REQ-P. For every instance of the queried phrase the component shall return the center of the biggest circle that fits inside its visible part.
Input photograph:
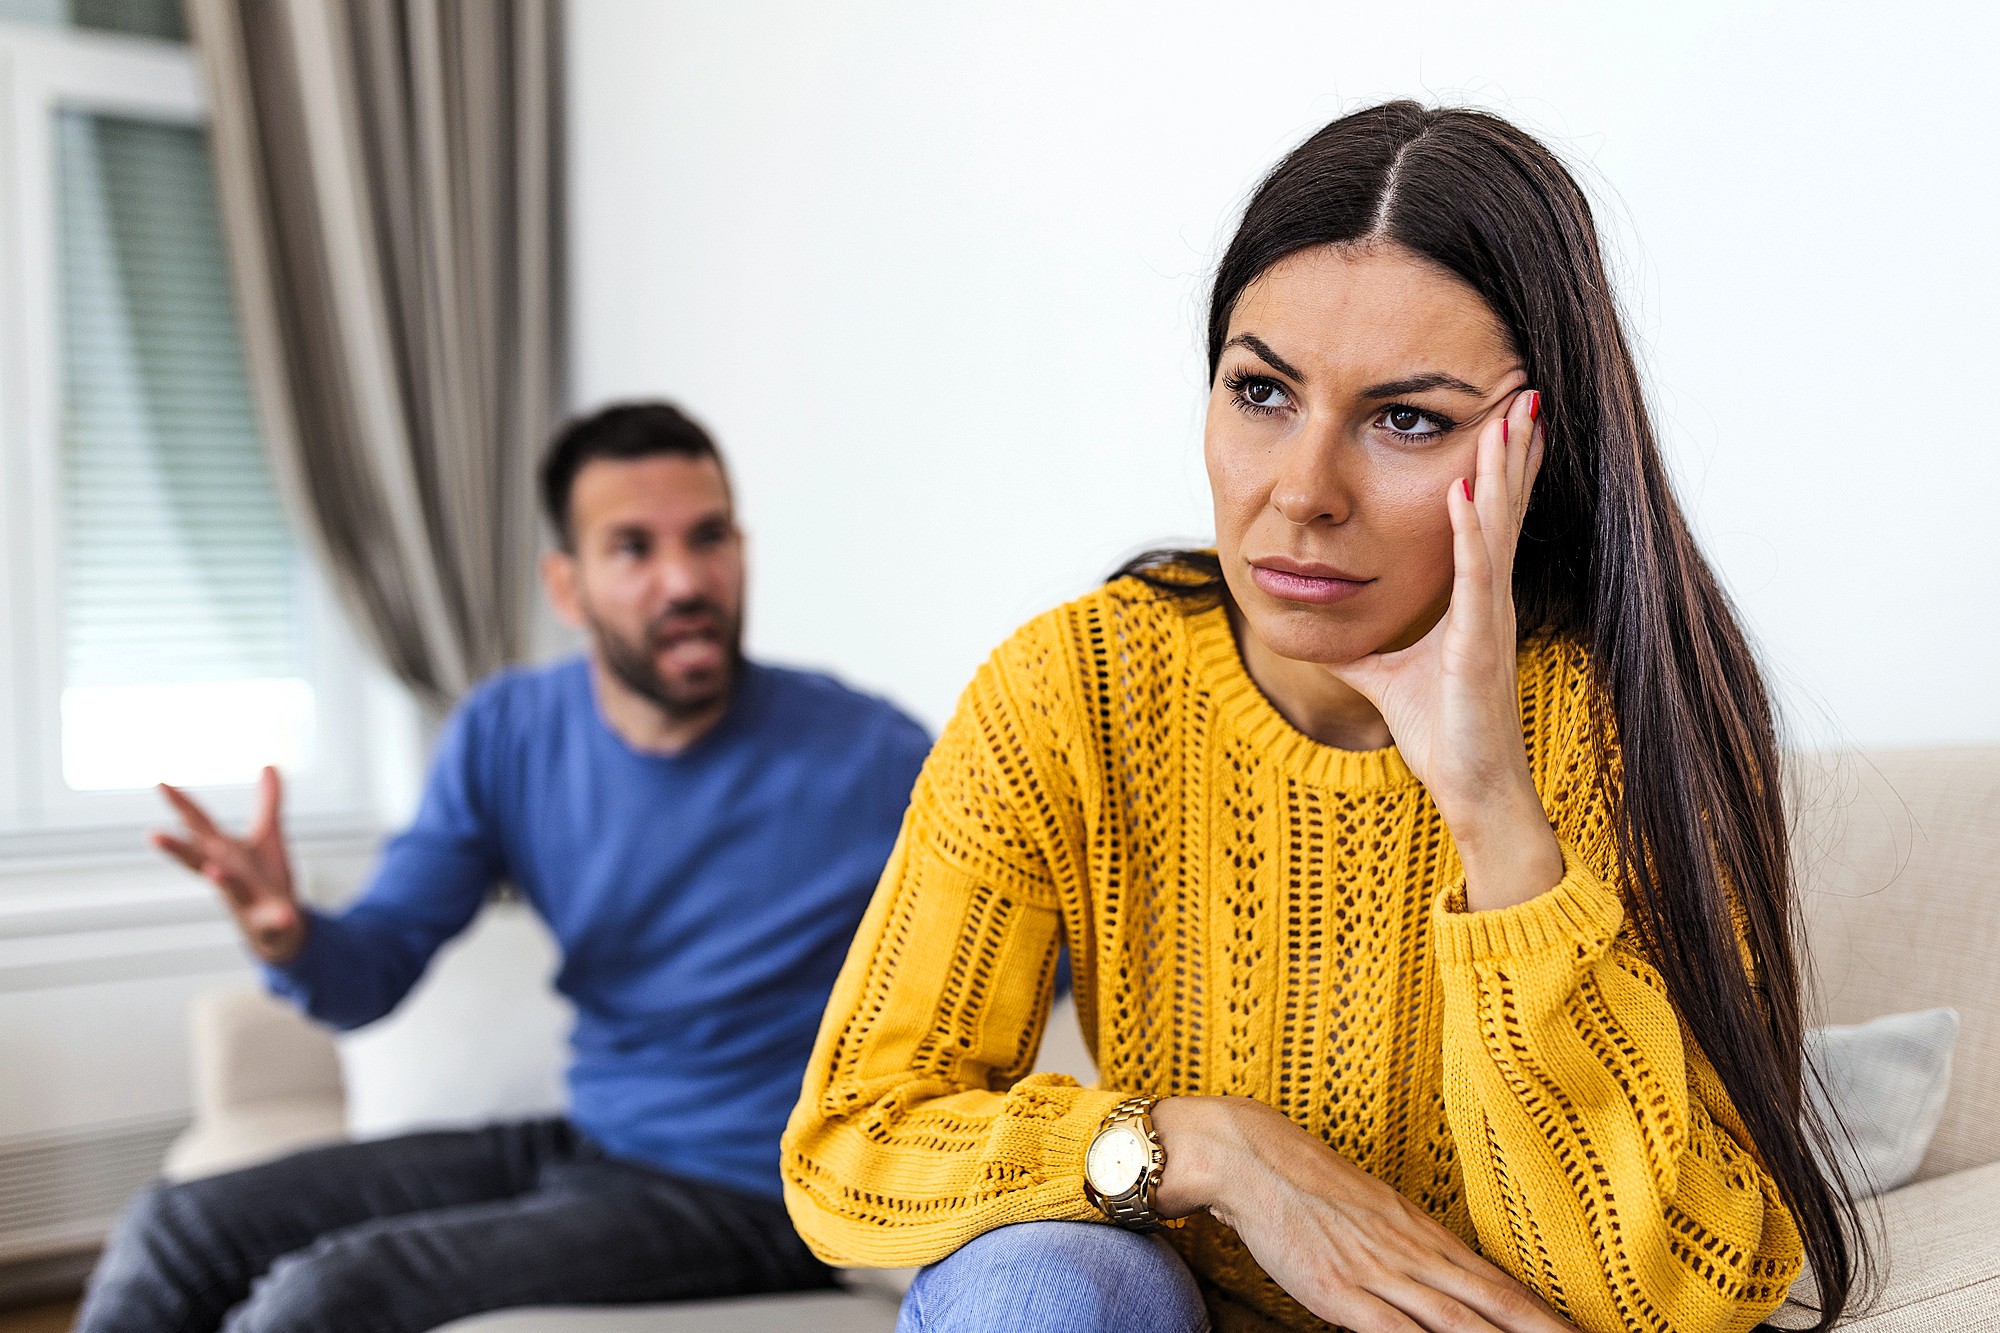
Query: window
(162, 624)
(139, 18)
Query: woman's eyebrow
(1263, 349)
(1424, 383)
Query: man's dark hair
(622, 431)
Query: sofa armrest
(1937, 1247)
(266, 1081)
(248, 1048)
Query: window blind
(177, 572)
(177, 564)
(139, 18)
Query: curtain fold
(389, 182)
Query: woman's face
(1350, 395)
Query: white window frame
(42, 71)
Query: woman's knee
(1056, 1277)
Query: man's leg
(1056, 1277)
(593, 1233)
(184, 1255)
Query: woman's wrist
(1509, 852)
(1204, 1141)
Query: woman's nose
(1311, 485)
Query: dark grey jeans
(402, 1235)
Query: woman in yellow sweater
(1419, 851)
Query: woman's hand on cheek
(1452, 699)
(1343, 1244)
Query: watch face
(1116, 1161)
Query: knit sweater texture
(1250, 912)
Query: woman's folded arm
(919, 1126)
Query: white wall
(934, 275)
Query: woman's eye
(1410, 421)
(1258, 394)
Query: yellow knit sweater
(1251, 912)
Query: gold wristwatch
(1121, 1168)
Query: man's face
(656, 577)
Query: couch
(1899, 853)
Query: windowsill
(34, 852)
(104, 890)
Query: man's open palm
(253, 872)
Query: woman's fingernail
(1534, 404)
(1503, 430)
(1465, 484)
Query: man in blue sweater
(700, 832)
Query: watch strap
(1135, 1209)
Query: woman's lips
(1296, 587)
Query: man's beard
(633, 663)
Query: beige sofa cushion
(1899, 856)
(1942, 1252)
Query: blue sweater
(703, 902)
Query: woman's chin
(1319, 635)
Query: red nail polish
(1465, 484)
(1535, 405)
(1503, 430)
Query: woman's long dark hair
(1605, 556)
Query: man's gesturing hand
(253, 872)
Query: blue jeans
(1056, 1277)
(405, 1234)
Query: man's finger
(270, 793)
(191, 813)
(237, 861)
(270, 918)
(238, 890)
(184, 852)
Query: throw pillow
(1886, 1081)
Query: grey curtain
(388, 176)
